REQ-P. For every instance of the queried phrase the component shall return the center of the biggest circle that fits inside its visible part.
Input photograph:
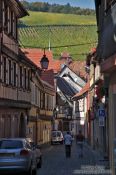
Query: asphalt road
(55, 162)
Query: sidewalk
(99, 163)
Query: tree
(55, 8)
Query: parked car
(37, 150)
(57, 137)
(16, 155)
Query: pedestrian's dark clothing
(79, 139)
(68, 150)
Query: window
(14, 26)
(14, 74)
(81, 105)
(42, 100)
(10, 144)
(5, 18)
(4, 69)
(36, 95)
(39, 97)
(46, 101)
(10, 72)
(11, 24)
(25, 78)
(9, 21)
(21, 77)
(28, 80)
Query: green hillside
(72, 33)
(37, 18)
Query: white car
(57, 137)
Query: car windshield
(54, 134)
(59, 134)
(11, 144)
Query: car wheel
(39, 165)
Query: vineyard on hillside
(77, 40)
(43, 18)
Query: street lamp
(44, 62)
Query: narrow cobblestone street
(55, 162)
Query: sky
(79, 3)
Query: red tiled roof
(83, 90)
(79, 68)
(35, 55)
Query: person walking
(68, 143)
(79, 140)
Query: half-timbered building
(106, 55)
(14, 73)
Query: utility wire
(72, 45)
(53, 47)
(60, 46)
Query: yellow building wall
(44, 132)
